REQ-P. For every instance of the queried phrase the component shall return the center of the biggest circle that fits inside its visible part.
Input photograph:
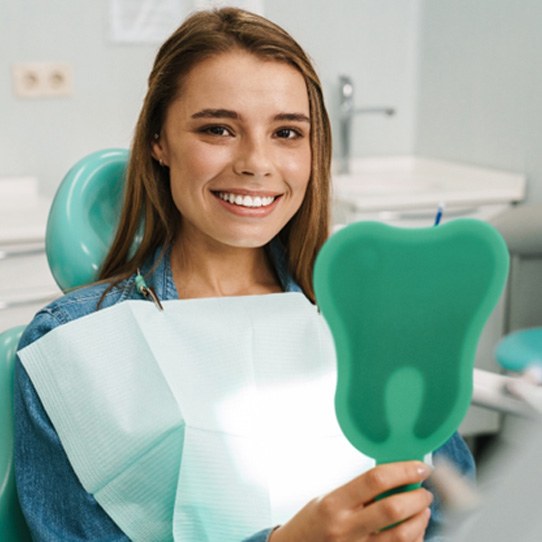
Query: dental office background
(463, 76)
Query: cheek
(298, 170)
(195, 165)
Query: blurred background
(462, 76)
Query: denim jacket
(55, 505)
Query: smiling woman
(229, 88)
(237, 145)
(212, 419)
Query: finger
(393, 510)
(366, 487)
(411, 529)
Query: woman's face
(237, 144)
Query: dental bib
(208, 421)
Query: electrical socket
(42, 79)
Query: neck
(217, 271)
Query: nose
(253, 158)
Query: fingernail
(424, 470)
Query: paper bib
(208, 421)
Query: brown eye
(288, 133)
(216, 130)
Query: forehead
(240, 79)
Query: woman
(229, 174)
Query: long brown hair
(148, 210)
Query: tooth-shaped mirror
(406, 308)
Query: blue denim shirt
(55, 505)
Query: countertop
(23, 212)
(406, 182)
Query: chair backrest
(83, 217)
(12, 525)
(80, 228)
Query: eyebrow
(228, 114)
(293, 117)
(215, 114)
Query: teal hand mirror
(406, 308)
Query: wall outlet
(42, 79)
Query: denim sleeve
(457, 453)
(54, 503)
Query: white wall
(43, 137)
(374, 41)
(480, 85)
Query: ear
(159, 150)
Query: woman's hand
(351, 513)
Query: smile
(245, 200)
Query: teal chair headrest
(84, 216)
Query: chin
(249, 242)
(246, 239)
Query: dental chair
(12, 525)
(80, 228)
(83, 217)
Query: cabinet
(26, 284)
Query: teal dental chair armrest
(12, 524)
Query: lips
(246, 200)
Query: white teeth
(246, 201)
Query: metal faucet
(346, 115)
